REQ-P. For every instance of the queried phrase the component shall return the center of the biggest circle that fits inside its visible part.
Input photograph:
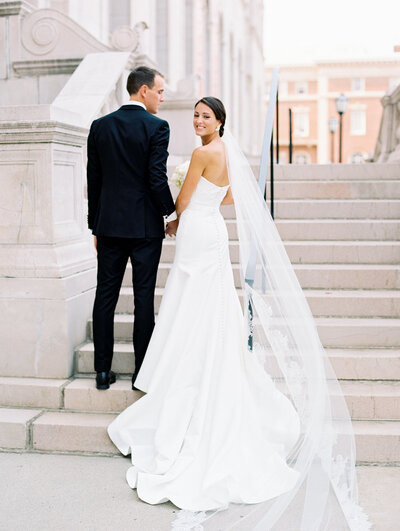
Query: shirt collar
(132, 102)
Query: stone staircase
(341, 228)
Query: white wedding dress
(212, 428)
(213, 431)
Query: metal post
(340, 136)
(271, 175)
(332, 147)
(290, 138)
(277, 127)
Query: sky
(301, 31)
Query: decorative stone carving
(388, 143)
(127, 39)
(124, 39)
(47, 32)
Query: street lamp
(341, 106)
(333, 125)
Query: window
(301, 158)
(358, 122)
(301, 123)
(301, 87)
(357, 158)
(358, 84)
(283, 88)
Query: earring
(217, 129)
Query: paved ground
(42, 492)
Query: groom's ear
(142, 90)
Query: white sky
(297, 31)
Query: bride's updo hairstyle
(218, 109)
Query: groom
(128, 195)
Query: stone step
(333, 209)
(365, 400)
(334, 332)
(73, 432)
(349, 364)
(323, 172)
(329, 209)
(86, 433)
(372, 400)
(336, 303)
(320, 252)
(377, 441)
(313, 189)
(312, 276)
(15, 427)
(330, 229)
(32, 392)
(337, 172)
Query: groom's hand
(171, 228)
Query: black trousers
(112, 257)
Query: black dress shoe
(104, 379)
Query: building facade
(310, 92)
(214, 46)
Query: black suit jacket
(128, 191)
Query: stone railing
(388, 144)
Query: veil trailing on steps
(284, 339)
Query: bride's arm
(228, 199)
(195, 171)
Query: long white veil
(283, 336)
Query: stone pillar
(47, 260)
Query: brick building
(311, 90)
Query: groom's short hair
(142, 75)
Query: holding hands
(171, 228)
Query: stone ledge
(46, 67)
(14, 8)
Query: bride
(243, 424)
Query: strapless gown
(212, 427)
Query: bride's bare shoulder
(210, 152)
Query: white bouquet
(180, 173)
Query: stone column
(47, 260)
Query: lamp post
(341, 106)
(333, 125)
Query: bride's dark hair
(218, 109)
